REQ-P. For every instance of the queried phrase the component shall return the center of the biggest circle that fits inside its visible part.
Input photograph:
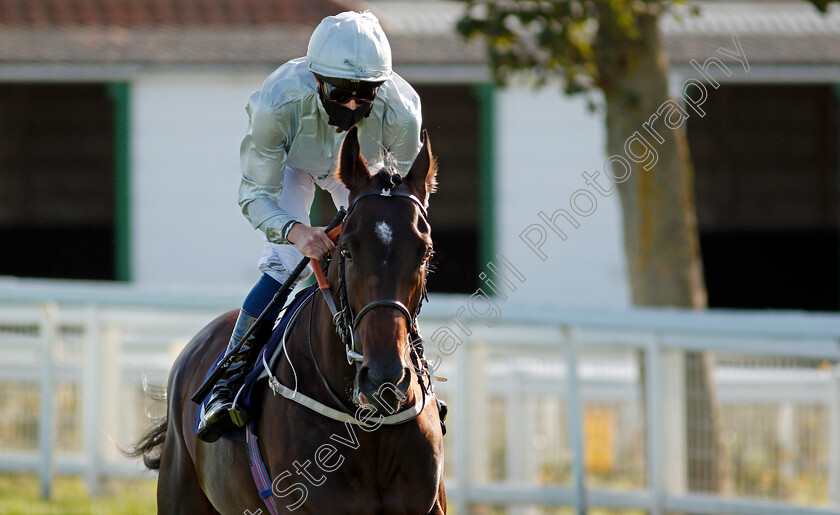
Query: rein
(346, 324)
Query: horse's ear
(352, 169)
(422, 177)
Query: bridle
(346, 323)
(344, 320)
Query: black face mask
(341, 116)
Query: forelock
(382, 178)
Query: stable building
(120, 125)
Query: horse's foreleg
(440, 505)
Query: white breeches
(278, 260)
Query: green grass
(19, 495)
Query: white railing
(523, 432)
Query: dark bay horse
(319, 465)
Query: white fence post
(834, 438)
(110, 391)
(49, 332)
(462, 439)
(575, 420)
(673, 420)
(514, 442)
(653, 401)
(91, 421)
(476, 411)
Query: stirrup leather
(221, 401)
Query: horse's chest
(349, 471)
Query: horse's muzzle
(386, 393)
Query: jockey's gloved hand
(312, 242)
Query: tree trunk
(660, 227)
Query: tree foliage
(586, 42)
(578, 40)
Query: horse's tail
(149, 445)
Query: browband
(389, 193)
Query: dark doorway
(766, 160)
(451, 115)
(57, 176)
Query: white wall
(544, 142)
(186, 226)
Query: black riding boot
(217, 417)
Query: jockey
(297, 124)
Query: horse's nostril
(374, 378)
(371, 375)
(384, 389)
(368, 379)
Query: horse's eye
(345, 253)
(429, 253)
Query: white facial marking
(383, 230)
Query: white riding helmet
(352, 46)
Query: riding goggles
(342, 95)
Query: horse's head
(384, 252)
